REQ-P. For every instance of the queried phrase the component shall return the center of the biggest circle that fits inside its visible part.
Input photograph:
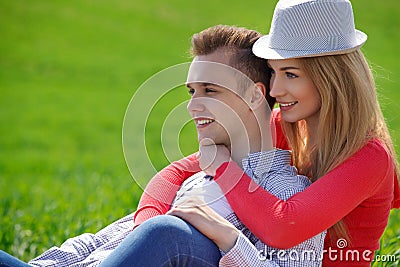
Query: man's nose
(195, 105)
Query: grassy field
(68, 70)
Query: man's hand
(207, 221)
(211, 156)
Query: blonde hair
(350, 116)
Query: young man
(231, 114)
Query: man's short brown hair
(238, 42)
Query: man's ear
(261, 86)
(258, 95)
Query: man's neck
(258, 139)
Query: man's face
(217, 106)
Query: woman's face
(294, 91)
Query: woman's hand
(207, 221)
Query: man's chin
(204, 140)
(207, 141)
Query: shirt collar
(258, 163)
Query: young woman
(335, 128)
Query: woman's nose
(276, 88)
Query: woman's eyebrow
(288, 68)
(285, 68)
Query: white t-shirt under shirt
(202, 186)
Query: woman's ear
(258, 95)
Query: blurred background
(68, 70)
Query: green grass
(68, 70)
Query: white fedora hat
(305, 28)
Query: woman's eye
(291, 75)
(191, 91)
(209, 90)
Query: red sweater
(362, 190)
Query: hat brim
(261, 49)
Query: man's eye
(271, 71)
(209, 90)
(191, 91)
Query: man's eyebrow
(208, 84)
(201, 84)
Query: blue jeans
(164, 241)
(6, 260)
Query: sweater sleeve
(283, 224)
(162, 188)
